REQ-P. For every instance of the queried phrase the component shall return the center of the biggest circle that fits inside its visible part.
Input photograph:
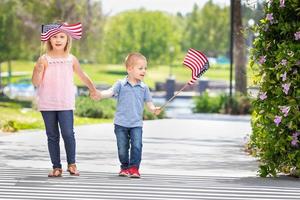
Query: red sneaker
(134, 172)
(124, 172)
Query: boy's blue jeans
(129, 140)
(63, 119)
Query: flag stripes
(74, 30)
(197, 62)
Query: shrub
(276, 115)
(85, 107)
(9, 126)
(240, 104)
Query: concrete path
(182, 159)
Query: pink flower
(270, 17)
(281, 4)
(283, 76)
(262, 59)
(277, 120)
(284, 62)
(285, 110)
(294, 143)
(263, 96)
(297, 35)
(295, 140)
(286, 87)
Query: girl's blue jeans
(129, 140)
(63, 120)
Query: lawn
(25, 117)
(108, 74)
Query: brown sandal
(72, 169)
(56, 172)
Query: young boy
(131, 94)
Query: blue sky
(112, 7)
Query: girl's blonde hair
(48, 47)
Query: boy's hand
(157, 110)
(95, 95)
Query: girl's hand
(95, 95)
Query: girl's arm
(38, 71)
(152, 108)
(85, 79)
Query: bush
(150, 116)
(85, 107)
(10, 126)
(240, 104)
(276, 114)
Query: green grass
(100, 74)
(27, 118)
(108, 74)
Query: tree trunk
(239, 50)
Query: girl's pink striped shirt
(57, 90)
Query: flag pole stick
(162, 107)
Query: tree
(34, 13)
(9, 34)
(276, 115)
(148, 32)
(207, 29)
(239, 49)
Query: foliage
(240, 104)
(23, 117)
(205, 31)
(9, 31)
(9, 126)
(206, 104)
(150, 116)
(85, 107)
(153, 34)
(276, 114)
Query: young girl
(53, 77)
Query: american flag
(48, 30)
(197, 62)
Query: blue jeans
(53, 121)
(129, 140)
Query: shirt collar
(125, 81)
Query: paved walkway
(182, 159)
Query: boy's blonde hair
(48, 47)
(132, 57)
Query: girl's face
(59, 41)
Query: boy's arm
(85, 79)
(38, 72)
(152, 108)
(105, 93)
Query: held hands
(95, 95)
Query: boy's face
(138, 69)
(59, 41)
